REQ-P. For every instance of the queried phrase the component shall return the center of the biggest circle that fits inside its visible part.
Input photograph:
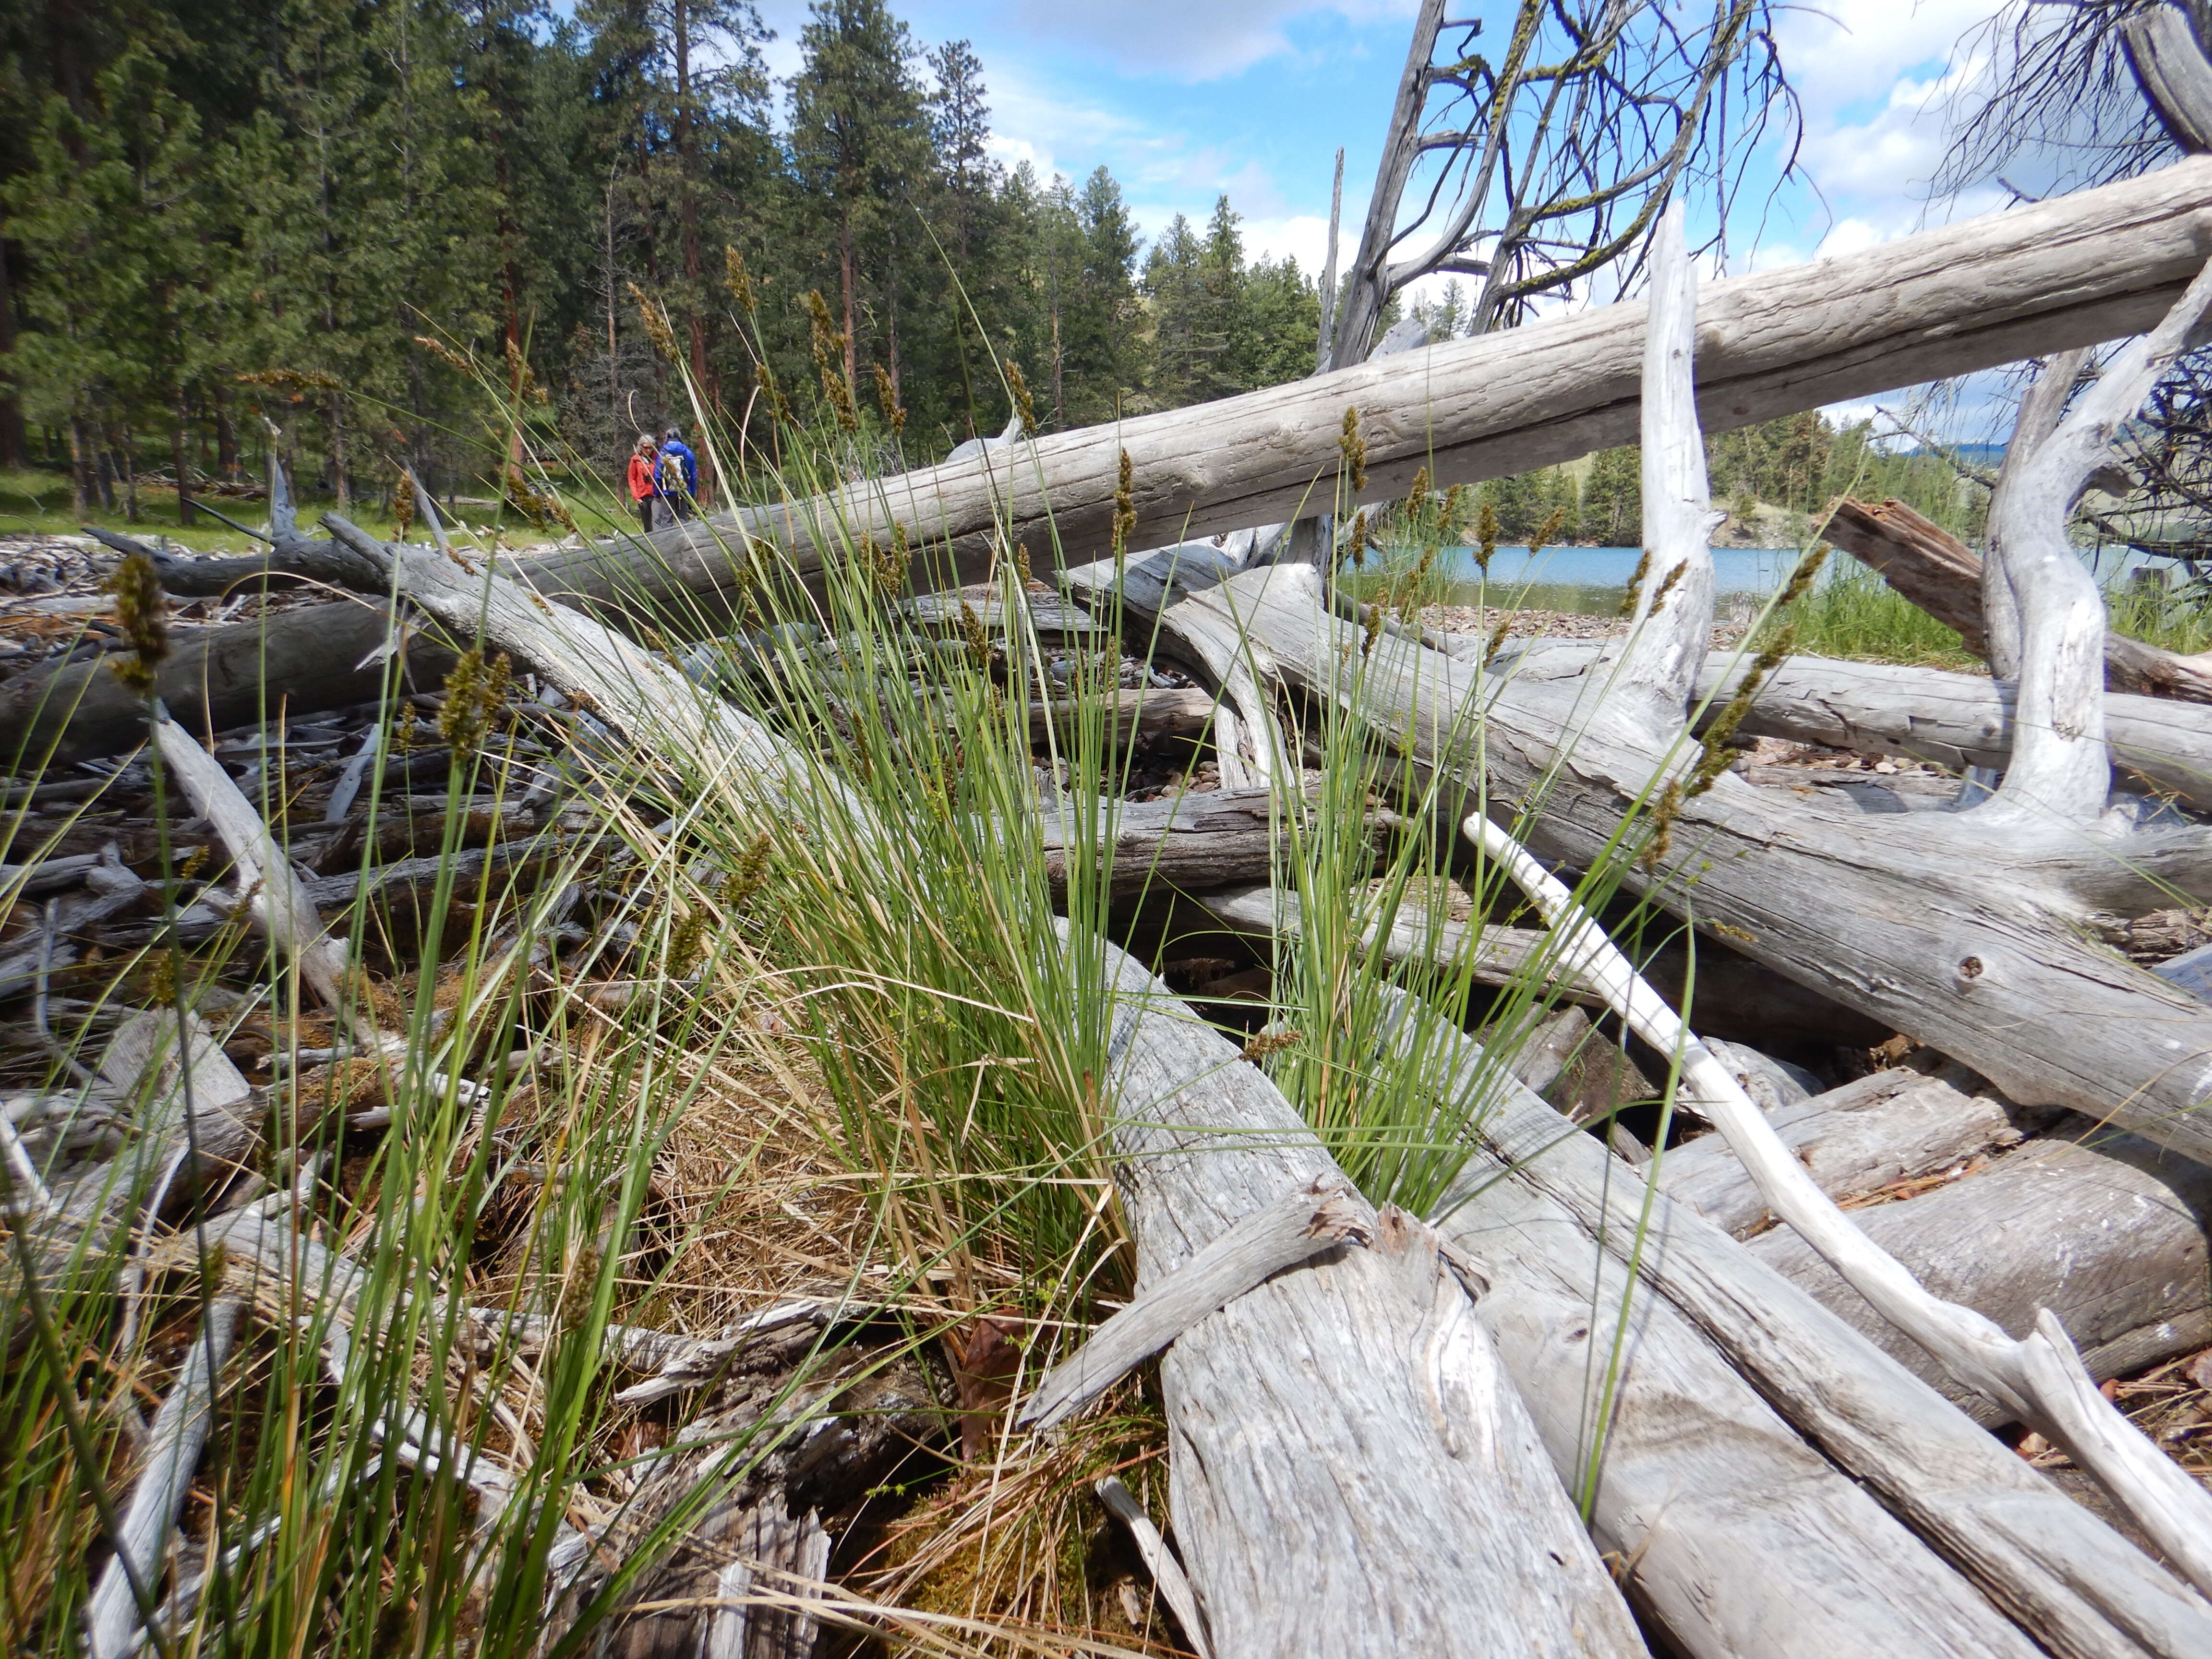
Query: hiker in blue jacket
(684, 501)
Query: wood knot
(1972, 967)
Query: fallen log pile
(1711, 1359)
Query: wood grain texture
(1738, 1537)
(2109, 1234)
(2061, 1573)
(1344, 1419)
(1956, 721)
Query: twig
(1167, 1571)
(180, 1430)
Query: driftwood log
(1734, 1534)
(1272, 1399)
(1733, 996)
(1948, 720)
(1366, 1359)
(2072, 271)
(1889, 1127)
(2063, 1576)
(1943, 576)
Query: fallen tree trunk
(1946, 719)
(2107, 1232)
(319, 657)
(1366, 1359)
(1889, 1127)
(1132, 717)
(1190, 842)
(1943, 576)
(2072, 271)
(1734, 997)
(2063, 1576)
(1955, 721)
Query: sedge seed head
(475, 691)
(887, 399)
(143, 612)
(1636, 584)
(1023, 404)
(1354, 449)
(739, 281)
(1548, 531)
(1487, 529)
(656, 325)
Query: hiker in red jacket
(645, 481)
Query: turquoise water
(1592, 580)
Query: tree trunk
(1943, 576)
(186, 517)
(14, 445)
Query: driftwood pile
(1731, 1393)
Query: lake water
(1591, 580)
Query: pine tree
(860, 140)
(1183, 350)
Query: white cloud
(1188, 39)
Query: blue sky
(1186, 99)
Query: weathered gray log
(1948, 720)
(1347, 1415)
(316, 657)
(2170, 68)
(2108, 1233)
(1956, 721)
(1963, 941)
(1891, 1126)
(1738, 1537)
(1943, 576)
(2071, 271)
(1731, 995)
(1132, 717)
(302, 557)
(2067, 1579)
(1191, 841)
